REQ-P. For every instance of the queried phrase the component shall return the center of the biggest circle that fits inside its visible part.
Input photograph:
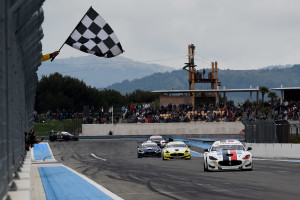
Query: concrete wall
(274, 150)
(163, 128)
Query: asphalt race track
(114, 165)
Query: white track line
(98, 157)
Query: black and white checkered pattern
(93, 35)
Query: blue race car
(148, 149)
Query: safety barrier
(20, 53)
(163, 128)
(275, 150)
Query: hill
(231, 79)
(100, 72)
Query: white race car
(159, 140)
(227, 154)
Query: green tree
(272, 96)
(64, 92)
(263, 90)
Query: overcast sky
(238, 34)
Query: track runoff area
(110, 169)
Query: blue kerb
(200, 144)
(181, 140)
(60, 183)
(197, 144)
(41, 151)
(204, 139)
(289, 160)
(196, 154)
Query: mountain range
(100, 72)
(230, 79)
(126, 75)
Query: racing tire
(204, 168)
(250, 169)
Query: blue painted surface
(276, 159)
(204, 139)
(200, 144)
(60, 183)
(197, 144)
(288, 160)
(181, 140)
(196, 154)
(41, 151)
(139, 139)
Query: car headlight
(141, 151)
(187, 151)
(212, 158)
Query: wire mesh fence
(20, 52)
(267, 131)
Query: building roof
(207, 91)
(286, 88)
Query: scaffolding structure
(198, 77)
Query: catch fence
(20, 53)
(267, 131)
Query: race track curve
(114, 165)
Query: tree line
(64, 92)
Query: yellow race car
(176, 149)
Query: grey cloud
(238, 34)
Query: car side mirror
(189, 146)
(249, 148)
(205, 150)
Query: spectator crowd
(151, 113)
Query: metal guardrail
(20, 53)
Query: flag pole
(71, 33)
(112, 119)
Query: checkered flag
(93, 35)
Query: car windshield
(156, 138)
(149, 145)
(176, 145)
(227, 147)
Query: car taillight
(246, 157)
